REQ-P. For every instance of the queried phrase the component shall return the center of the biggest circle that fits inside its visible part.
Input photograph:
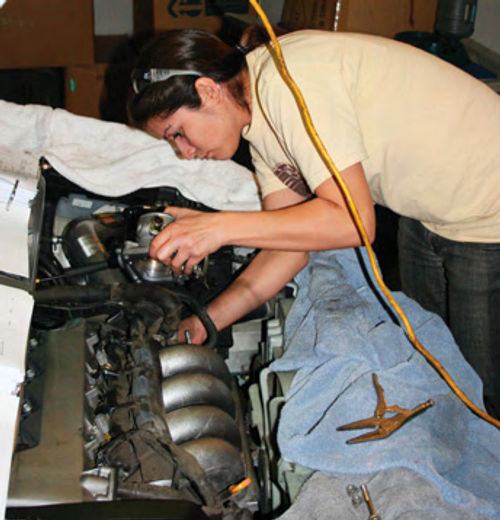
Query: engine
(158, 420)
(161, 421)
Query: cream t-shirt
(427, 133)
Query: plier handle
(385, 425)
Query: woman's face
(209, 132)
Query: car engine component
(157, 421)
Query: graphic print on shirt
(290, 176)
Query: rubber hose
(73, 294)
(117, 293)
(132, 293)
(201, 312)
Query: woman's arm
(322, 223)
(268, 272)
(318, 224)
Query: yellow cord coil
(279, 60)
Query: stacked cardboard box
(100, 89)
(48, 33)
(38, 34)
(382, 17)
(84, 89)
(155, 16)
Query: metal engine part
(138, 418)
(86, 244)
(146, 403)
(136, 260)
(150, 224)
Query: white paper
(19, 174)
(9, 405)
(14, 256)
(16, 307)
(15, 318)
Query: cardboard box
(48, 33)
(385, 18)
(84, 88)
(98, 91)
(115, 48)
(312, 14)
(154, 16)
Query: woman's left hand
(194, 327)
(188, 240)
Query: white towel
(113, 159)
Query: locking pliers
(385, 425)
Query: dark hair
(187, 49)
(255, 35)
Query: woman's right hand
(195, 328)
(185, 242)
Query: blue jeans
(460, 281)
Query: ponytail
(255, 35)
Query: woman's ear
(209, 91)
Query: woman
(406, 130)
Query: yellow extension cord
(278, 57)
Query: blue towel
(339, 331)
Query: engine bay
(114, 409)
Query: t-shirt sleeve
(332, 113)
(268, 182)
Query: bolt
(156, 225)
(357, 500)
(352, 489)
